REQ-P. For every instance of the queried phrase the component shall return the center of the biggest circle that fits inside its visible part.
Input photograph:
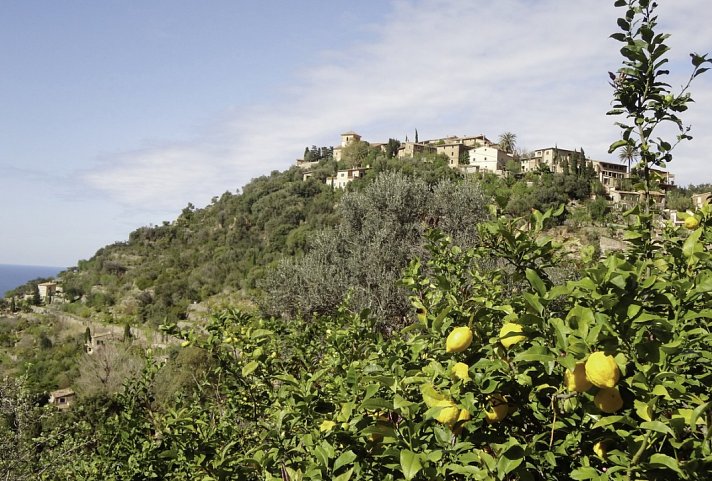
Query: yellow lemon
(602, 370)
(600, 449)
(499, 410)
(448, 415)
(185, 344)
(459, 339)
(461, 420)
(326, 426)
(691, 222)
(506, 337)
(461, 371)
(576, 380)
(608, 400)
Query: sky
(115, 115)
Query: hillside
(218, 253)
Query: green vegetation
(39, 349)
(414, 332)
(332, 397)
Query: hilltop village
(478, 155)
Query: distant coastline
(13, 275)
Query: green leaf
(344, 476)
(457, 469)
(562, 332)
(376, 403)
(660, 390)
(536, 353)
(401, 402)
(249, 368)
(606, 421)
(257, 333)
(665, 460)
(533, 302)
(410, 463)
(692, 244)
(703, 282)
(633, 310)
(696, 413)
(505, 465)
(617, 144)
(536, 282)
(585, 472)
(347, 457)
(321, 456)
(643, 410)
(510, 459)
(438, 322)
(657, 426)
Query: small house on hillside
(343, 177)
(98, 341)
(47, 291)
(62, 398)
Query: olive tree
(381, 228)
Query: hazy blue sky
(116, 114)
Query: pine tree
(36, 299)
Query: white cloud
(444, 66)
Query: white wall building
(343, 177)
(488, 159)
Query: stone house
(628, 199)
(552, 157)
(62, 398)
(347, 138)
(301, 163)
(412, 149)
(100, 340)
(453, 151)
(610, 174)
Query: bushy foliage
(381, 227)
(20, 419)
(331, 398)
(228, 246)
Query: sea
(12, 276)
